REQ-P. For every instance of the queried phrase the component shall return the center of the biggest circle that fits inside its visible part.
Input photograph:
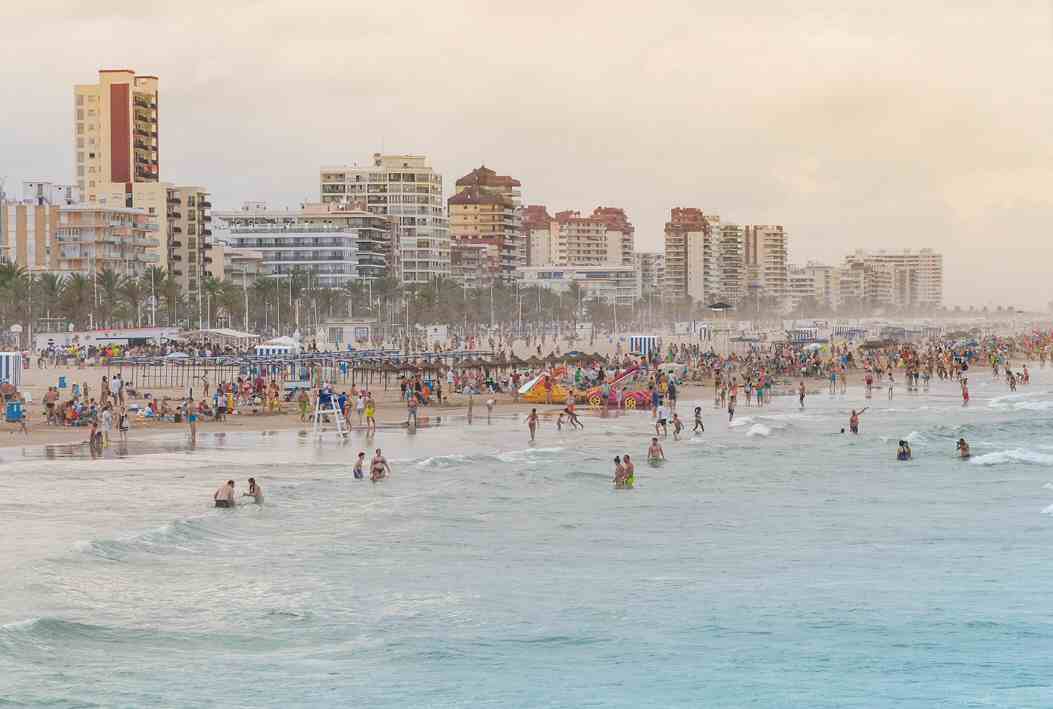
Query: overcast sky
(887, 125)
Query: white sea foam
(744, 421)
(758, 429)
(1048, 510)
(1016, 455)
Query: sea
(770, 562)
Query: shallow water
(770, 563)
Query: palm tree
(133, 295)
(77, 302)
(107, 290)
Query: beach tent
(643, 344)
(11, 368)
(279, 346)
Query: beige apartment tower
(115, 136)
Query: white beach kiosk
(278, 347)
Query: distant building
(537, 227)
(240, 266)
(685, 236)
(612, 283)
(334, 244)
(486, 240)
(652, 271)
(94, 237)
(813, 283)
(902, 279)
(115, 132)
(766, 262)
(189, 235)
(407, 189)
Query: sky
(899, 124)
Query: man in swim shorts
(630, 472)
(655, 452)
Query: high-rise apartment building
(115, 132)
(766, 262)
(685, 234)
(903, 279)
(27, 231)
(730, 263)
(486, 240)
(189, 224)
(620, 236)
(814, 285)
(117, 148)
(407, 189)
(333, 243)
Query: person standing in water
(379, 468)
(853, 420)
(359, 471)
(532, 424)
(698, 421)
(630, 472)
(963, 448)
(224, 496)
(800, 394)
(655, 452)
(891, 384)
(965, 391)
(619, 473)
(255, 492)
(371, 414)
(678, 426)
(661, 424)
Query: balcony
(206, 232)
(175, 215)
(206, 217)
(176, 244)
(177, 257)
(177, 230)
(206, 205)
(173, 199)
(207, 259)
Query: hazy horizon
(873, 127)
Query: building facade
(537, 225)
(189, 235)
(94, 237)
(765, 255)
(610, 284)
(115, 132)
(652, 271)
(905, 279)
(406, 189)
(814, 285)
(686, 230)
(485, 228)
(337, 245)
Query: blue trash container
(14, 411)
(61, 382)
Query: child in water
(698, 421)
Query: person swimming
(963, 448)
(360, 464)
(904, 451)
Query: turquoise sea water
(773, 563)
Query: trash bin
(61, 382)
(13, 411)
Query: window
(80, 129)
(80, 171)
(80, 144)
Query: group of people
(226, 497)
